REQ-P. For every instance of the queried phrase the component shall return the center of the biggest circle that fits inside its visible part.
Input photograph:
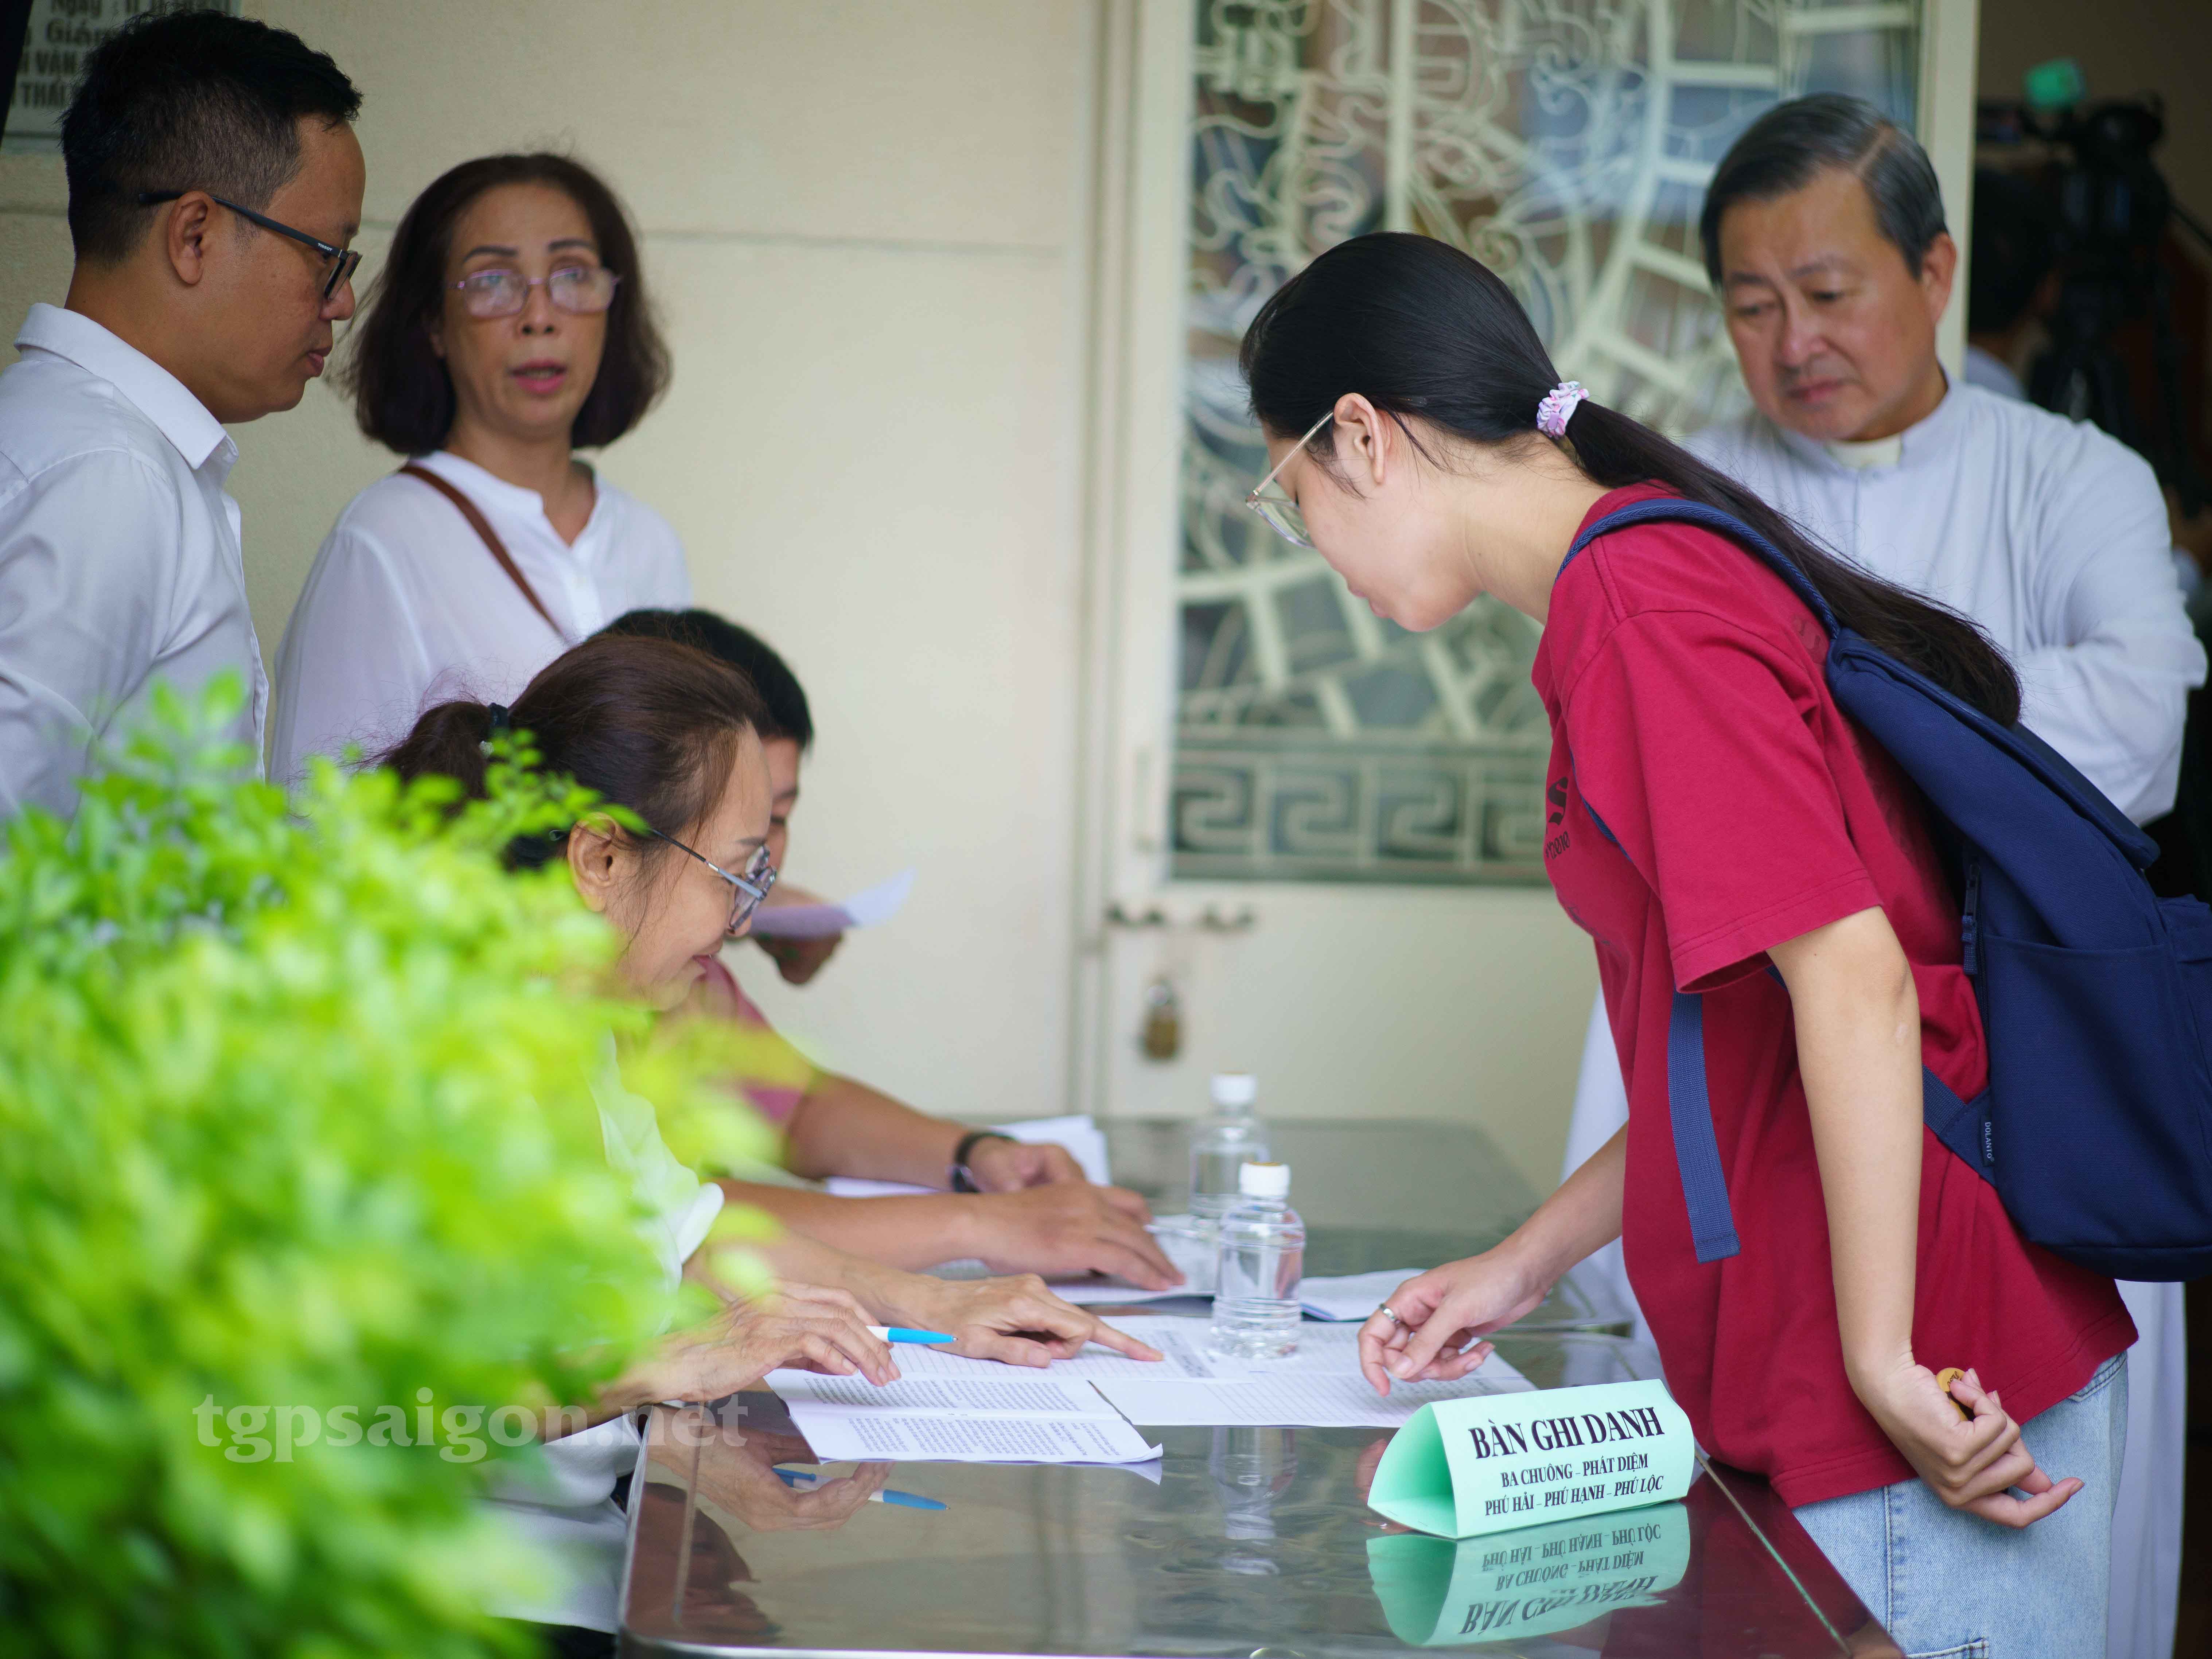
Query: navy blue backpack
(2096, 994)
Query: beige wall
(858, 218)
(869, 228)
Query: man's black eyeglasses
(342, 261)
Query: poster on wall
(62, 34)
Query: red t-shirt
(1689, 707)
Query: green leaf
(296, 1119)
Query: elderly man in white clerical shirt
(1824, 235)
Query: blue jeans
(1950, 1585)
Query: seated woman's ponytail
(648, 724)
(1421, 328)
(453, 739)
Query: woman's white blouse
(678, 1212)
(406, 607)
(564, 1513)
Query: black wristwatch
(962, 1180)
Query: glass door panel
(1566, 143)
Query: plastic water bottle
(1263, 1256)
(1227, 1140)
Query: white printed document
(1182, 1341)
(987, 1386)
(1001, 1415)
(864, 909)
(931, 1438)
(1319, 1386)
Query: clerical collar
(1927, 442)
(1875, 451)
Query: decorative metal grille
(1566, 143)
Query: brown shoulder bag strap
(476, 522)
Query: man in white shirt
(1823, 231)
(214, 181)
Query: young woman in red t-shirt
(1711, 813)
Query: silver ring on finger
(1390, 1313)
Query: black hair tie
(493, 726)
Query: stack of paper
(1182, 1341)
(1003, 1415)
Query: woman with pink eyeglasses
(510, 326)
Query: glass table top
(1246, 1541)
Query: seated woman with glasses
(674, 735)
(1014, 1206)
(509, 327)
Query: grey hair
(1784, 149)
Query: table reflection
(1240, 1538)
(705, 1462)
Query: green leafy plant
(297, 1115)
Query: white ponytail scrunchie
(1558, 407)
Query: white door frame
(1132, 435)
(1949, 35)
(1132, 506)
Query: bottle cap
(1264, 1180)
(1235, 1087)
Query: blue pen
(905, 1500)
(900, 1333)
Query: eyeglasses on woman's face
(581, 291)
(1279, 512)
(746, 891)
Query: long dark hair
(403, 395)
(1421, 328)
(648, 724)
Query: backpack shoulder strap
(1674, 509)
(478, 523)
(1689, 1103)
